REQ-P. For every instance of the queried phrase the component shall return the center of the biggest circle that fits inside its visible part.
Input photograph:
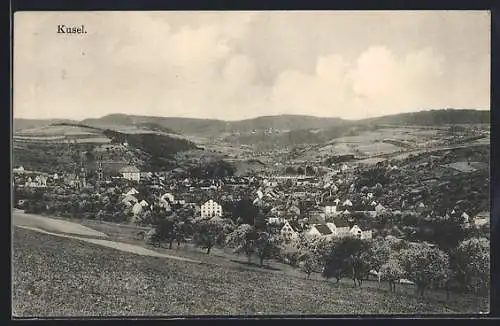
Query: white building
(319, 231)
(331, 210)
(18, 170)
(137, 209)
(131, 173)
(132, 192)
(211, 209)
(339, 226)
(289, 232)
(356, 231)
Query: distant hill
(211, 127)
(46, 148)
(285, 122)
(20, 124)
(187, 126)
(434, 117)
(299, 123)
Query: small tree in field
(307, 263)
(473, 262)
(392, 272)
(348, 255)
(241, 240)
(266, 246)
(207, 233)
(246, 239)
(378, 253)
(423, 264)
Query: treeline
(212, 170)
(84, 205)
(50, 157)
(435, 117)
(463, 268)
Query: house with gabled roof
(137, 209)
(319, 230)
(131, 173)
(482, 218)
(347, 203)
(130, 200)
(132, 191)
(358, 232)
(290, 231)
(338, 225)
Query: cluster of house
(31, 179)
(291, 201)
(338, 227)
(137, 204)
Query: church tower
(100, 174)
(83, 175)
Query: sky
(239, 65)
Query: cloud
(234, 65)
(239, 69)
(323, 91)
(377, 82)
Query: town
(436, 197)
(251, 163)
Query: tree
(207, 233)
(472, 263)
(448, 231)
(152, 237)
(378, 253)
(245, 209)
(423, 264)
(248, 240)
(310, 170)
(266, 246)
(347, 255)
(289, 254)
(166, 229)
(241, 240)
(391, 271)
(307, 263)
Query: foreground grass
(55, 276)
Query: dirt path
(113, 244)
(76, 231)
(20, 218)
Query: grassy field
(54, 225)
(55, 276)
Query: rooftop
(323, 229)
(129, 169)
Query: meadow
(54, 276)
